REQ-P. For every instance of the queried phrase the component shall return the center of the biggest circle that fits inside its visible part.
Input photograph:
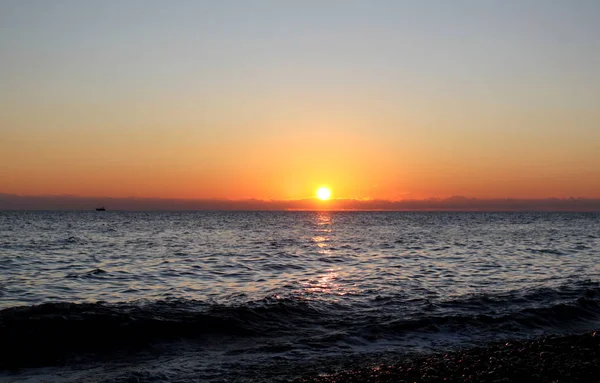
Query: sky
(269, 100)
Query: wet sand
(574, 358)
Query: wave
(86, 274)
(47, 333)
(44, 334)
(583, 310)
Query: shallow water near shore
(157, 296)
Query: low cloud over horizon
(455, 203)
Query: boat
(101, 208)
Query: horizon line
(14, 202)
(359, 199)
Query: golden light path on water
(329, 281)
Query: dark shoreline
(572, 358)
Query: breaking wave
(48, 333)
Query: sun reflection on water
(325, 284)
(320, 240)
(323, 218)
(323, 232)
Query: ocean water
(269, 296)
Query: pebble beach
(571, 358)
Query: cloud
(457, 203)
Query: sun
(323, 193)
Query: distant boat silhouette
(101, 208)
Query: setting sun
(323, 193)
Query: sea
(272, 296)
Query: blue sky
(424, 83)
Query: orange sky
(290, 164)
(164, 105)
